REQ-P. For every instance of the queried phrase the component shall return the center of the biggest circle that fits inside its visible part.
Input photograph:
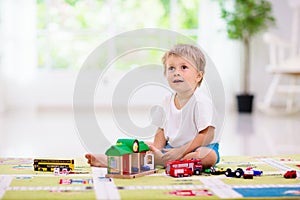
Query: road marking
(50, 188)
(4, 184)
(275, 164)
(104, 189)
(219, 188)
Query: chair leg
(291, 94)
(271, 91)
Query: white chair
(284, 64)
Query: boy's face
(182, 76)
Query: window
(69, 30)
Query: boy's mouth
(177, 81)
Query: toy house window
(149, 159)
(114, 165)
(183, 165)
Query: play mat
(18, 180)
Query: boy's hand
(153, 148)
(157, 155)
(172, 154)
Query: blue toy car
(255, 172)
(145, 168)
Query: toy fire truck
(182, 168)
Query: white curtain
(18, 52)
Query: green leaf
(247, 17)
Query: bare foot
(157, 155)
(99, 160)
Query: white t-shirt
(181, 126)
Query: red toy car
(248, 174)
(180, 168)
(290, 174)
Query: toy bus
(181, 168)
(49, 164)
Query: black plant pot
(245, 102)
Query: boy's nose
(177, 72)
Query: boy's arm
(159, 139)
(202, 139)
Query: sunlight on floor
(54, 133)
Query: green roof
(118, 150)
(143, 146)
(124, 146)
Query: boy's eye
(171, 68)
(184, 67)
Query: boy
(185, 123)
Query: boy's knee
(207, 156)
(209, 159)
(208, 162)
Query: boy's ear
(199, 76)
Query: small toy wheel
(197, 172)
(228, 172)
(238, 174)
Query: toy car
(238, 173)
(255, 172)
(57, 171)
(217, 171)
(145, 168)
(290, 174)
(248, 174)
(134, 169)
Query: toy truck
(181, 172)
(180, 168)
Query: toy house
(128, 159)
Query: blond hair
(191, 53)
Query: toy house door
(126, 164)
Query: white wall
(227, 53)
(260, 79)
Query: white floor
(54, 134)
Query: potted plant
(244, 19)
